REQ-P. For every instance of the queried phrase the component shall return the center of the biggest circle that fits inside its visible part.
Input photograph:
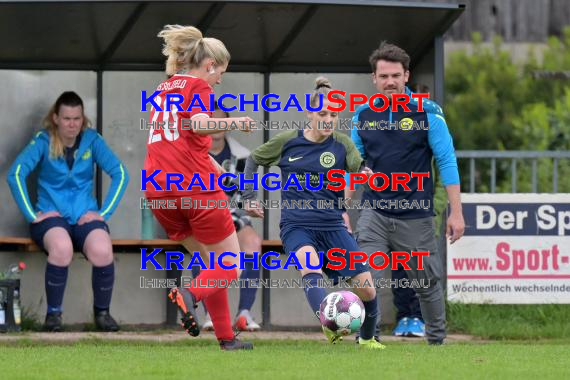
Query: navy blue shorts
(296, 237)
(77, 233)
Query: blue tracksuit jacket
(68, 191)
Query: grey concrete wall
(121, 116)
(121, 119)
(133, 305)
(121, 131)
(130, 303)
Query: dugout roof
(262, 36)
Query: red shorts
(206, 225)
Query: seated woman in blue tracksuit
(66, 216)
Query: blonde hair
(70, 99)
(186, 48)
(322, 87)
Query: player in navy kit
(317, 150)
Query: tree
(494, 104)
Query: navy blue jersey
(231, 164)
(70, 152)
(225, 154)
(406, 142)
(295, 155)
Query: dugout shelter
(108, 52)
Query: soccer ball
(342, 312)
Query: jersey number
(167, 127)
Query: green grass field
(510, 321)
(271, 359)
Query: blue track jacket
(70, 192)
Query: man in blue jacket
(404, 142)
(66, 216)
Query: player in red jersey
(194, 65)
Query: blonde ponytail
(322, 87)
(186, 48)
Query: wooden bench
(119, 245)
(19, 244)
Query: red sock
(202, 289)
(219, 309)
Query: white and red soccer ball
(342, 312)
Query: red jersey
(179, 149)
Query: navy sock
(195, 270)
(55, 280)
(314, 290)
(369, 326)
(247, 292)
(102, 281)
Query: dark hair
(391, 53)
(68, 98)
